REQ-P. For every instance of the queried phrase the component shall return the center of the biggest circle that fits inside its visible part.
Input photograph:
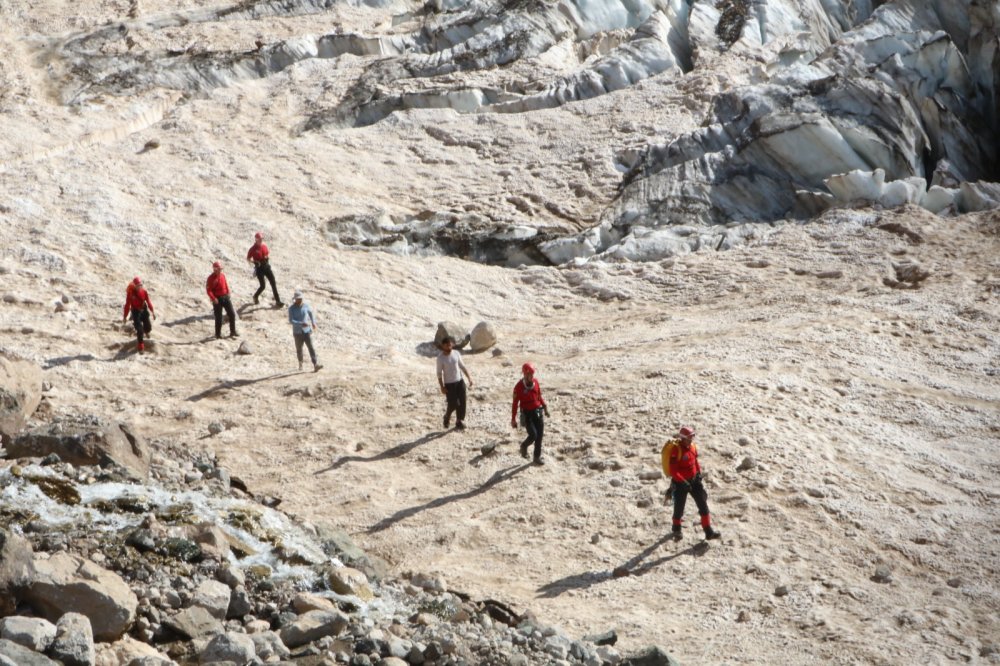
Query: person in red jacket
(137, 302)
(261, 258)
(680, 462)
(528, 394)
(218, 292)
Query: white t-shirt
(451, 365)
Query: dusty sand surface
(872, 413)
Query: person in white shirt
(449, 373)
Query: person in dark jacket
(679, 458)
(528, 395)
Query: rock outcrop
(16, 569)
(20, 393)
(85, 442)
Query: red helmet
(528, 367)
(258, 236)
(136, 281)
(687, 432)
(217, 264)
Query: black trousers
(534, 423)
(221, 303)
(263, 270)
(455, 393)
(697, 492)
(140, 319)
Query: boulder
(85, 442)
(483, 337)
(311, 626)
(12, 654)
(651, 656)
(303, 602)
(20, 393)
(339, 544)
(34, 633)
(74, 643)
(346, 580)
(231, 646)
(449, 329)
(67, 583)
(193, 622)
(213, 596)
(16, 569)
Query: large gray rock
(311, 626)
(67, 583)
(20, 393)
(34, 633)
(12, 654)
(128, 651)
(268, 644)
(449, 329)
(85, 442)
(193, 622)
(483, 337)
(74, 643)
(229, 647)
(16, 569)
(338, 543)
(651, 656)
(213, 596)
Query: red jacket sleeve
(208, 287)
(128, 301)
(517, 399)
(145, 297)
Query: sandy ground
(872, 413)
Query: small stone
(746, 464)
(488, 448)
(743, 441)
(497, 352)
(781, 591)
(244, 349)
(955, 582)
(215, 428)
(744, 616)
(883, 574)
(595, 538)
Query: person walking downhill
(259, 255)
(303, 322)
(680, 462)
(137, 301)
(218, 292)
(528, 394)
(449, 373)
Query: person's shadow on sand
(394, 452)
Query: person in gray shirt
(449, 374)
(303, 322)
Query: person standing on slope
(218, 292)
(680, 462)
(259, 255)
(449, 374)
(528, 394)
(137, 301)
(303, 322)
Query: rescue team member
(528, 394)
(137, 301)
(680, 463)
(218, 291)
(260, 256)
(449, 375)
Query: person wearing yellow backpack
(680, 463)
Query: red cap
(258, 236)
(136, 281)
(528, 367)
(217, 264)
(687, 432)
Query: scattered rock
(609, 637)
(746, 464)
(487, 449)
(781, 591)
(830, 275)
(744, 616)
(12, 654)
(244, 349)
(449, 329)
(651, 656)
(213, 596)
(193, 622)
(744, 441)
(16, 569)
(311, 626)
(229, 647)
(34, 633)
(215, 428)
(483, 337)
(883, 574)
(346, 580)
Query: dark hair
(447, 339)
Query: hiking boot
(676, 532)
(141, 346)
(524, 451)
(279, 304)
(711, 533)
(446, 421)
(459, 425)
(316, 367)
(234, 334)
(300, 366)
(538, 461)
(256, 300)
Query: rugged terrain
(841, 370)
